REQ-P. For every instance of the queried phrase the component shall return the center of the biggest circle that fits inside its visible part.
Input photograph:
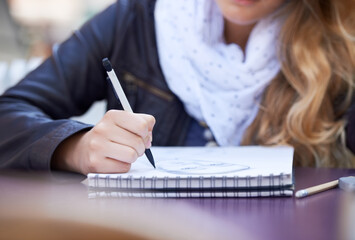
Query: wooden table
(57, 204)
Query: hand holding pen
(111, 146)
(120, 95)
(114, 143)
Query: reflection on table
(58, 201)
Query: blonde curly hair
(305, 104)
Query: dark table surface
(62, 196)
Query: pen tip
(149, 155)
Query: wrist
(67, 154)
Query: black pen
(122, 97)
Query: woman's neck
(238, 34)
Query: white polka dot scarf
(216, 83)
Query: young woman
(265, 72)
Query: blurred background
(29, 28)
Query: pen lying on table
(345, 183)
(122, 97)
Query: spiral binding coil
(196, 186)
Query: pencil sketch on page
(199, 167)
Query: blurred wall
(33, 26)
(10, 39)
(29, 28)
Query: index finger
(139, 124)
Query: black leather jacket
(34, 113)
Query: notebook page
(187, 162)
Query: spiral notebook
(250, 171)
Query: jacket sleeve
(34, 113)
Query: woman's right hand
(115, 142)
